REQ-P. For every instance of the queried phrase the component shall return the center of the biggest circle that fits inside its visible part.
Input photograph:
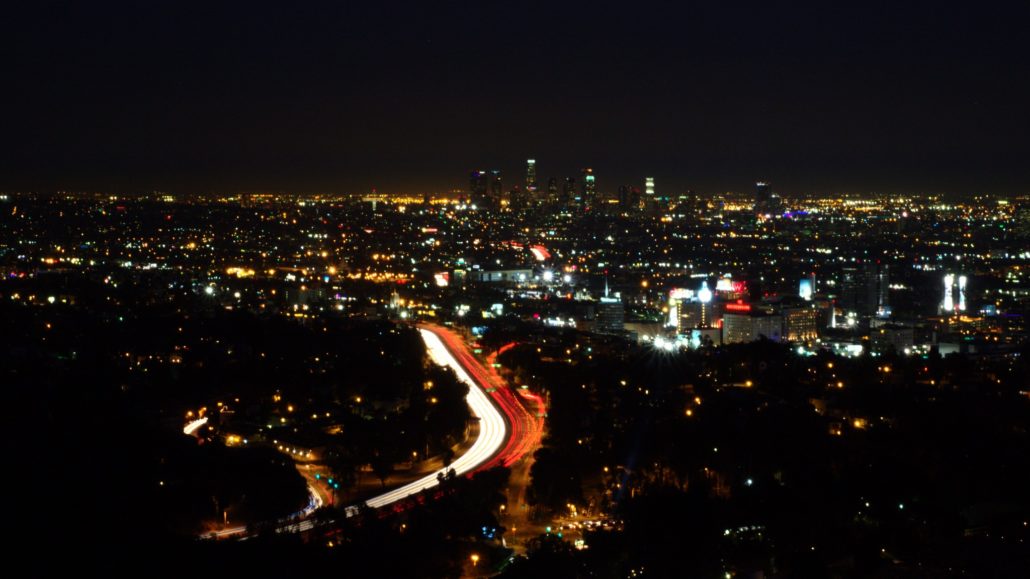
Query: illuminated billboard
(805, 289)
(681, 294)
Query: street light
(475, 559)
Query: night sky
(344, 96)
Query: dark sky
(344, 96)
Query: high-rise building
(677, 298)
(766, 201)
(747, 325)
(629, 198)
(623, 197)
(552, 190)
(883, 281)
(763, 192)
(962, 293)
(769, 326)
(860, 290)
(800, 322)
(517, 199)
(610, 315)
(948, 304)
(588, 183)
(692, 314)
(496, 187)
(531, 185)
(568, 192)
(652, 204)
(805, 289)
(949, 300)
(688, 315)
(477, 184)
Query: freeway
(526, 426)
(501, 436)
(192, 427)
(493, 428)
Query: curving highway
(493, 430)
(527, 426)
(494, 439)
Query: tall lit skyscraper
(531, 185)
(477, 183)
(859, 291)
(496, 188)
(883, 281)
(651, 203)
(478, 188)
(763, 191)
(610, 313)
(766, 202)
(589, 185)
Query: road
(493, 428)
(504, 425)
(526, 425)
(525, 411)
(192, 427)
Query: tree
(382, 466)
(555, 480)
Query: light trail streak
(192, 426)
(527, 426)
(492, 428)
(502, 439)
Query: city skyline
(521, 384)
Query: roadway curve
(493, 428)
(527, 426)
(501, 436)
